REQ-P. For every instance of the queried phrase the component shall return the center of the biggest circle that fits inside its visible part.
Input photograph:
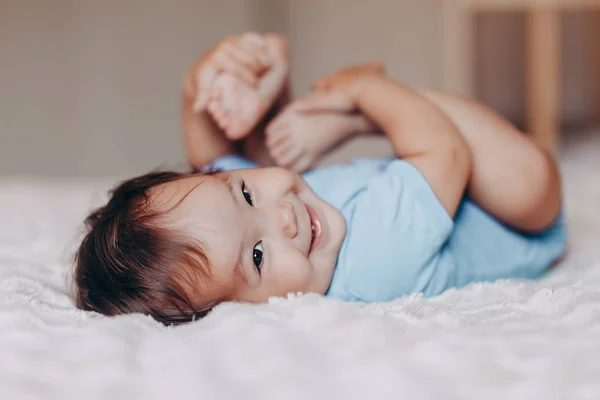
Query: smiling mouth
(315, 227)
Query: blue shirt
(401, 240)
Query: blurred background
(92, 88)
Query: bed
(508, 339)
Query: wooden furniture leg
(457, 48)
(543, 76)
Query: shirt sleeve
(396, 228)
(230, 162)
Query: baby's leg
(238, 108)
(297, 140)
(513, 179)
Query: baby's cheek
(293, 275)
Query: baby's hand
(297, 140)
(238, 108)
(244, 57)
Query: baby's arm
(204, 142)
(512, 179)
(421, 134)
(419, 131)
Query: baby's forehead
(171, 194)
(201, 208)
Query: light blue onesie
(400, 240)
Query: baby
(466, 198)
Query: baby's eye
(258, 256)
(246, 194)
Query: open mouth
(315, 227)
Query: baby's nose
(287, 219)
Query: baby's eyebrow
(229, 186)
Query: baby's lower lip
(316, 222)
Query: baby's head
(174, 245)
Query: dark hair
(127, 263)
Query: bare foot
(297, 140)
(236, 107)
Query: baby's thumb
(205, 80)
(200, 102)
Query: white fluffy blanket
(517, 340)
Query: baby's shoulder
(337, 183)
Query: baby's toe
(289, 159)
(282, 153)
(219, 114)
(281, 136)
(228, 121)
(283, 119)
(299, 166)
(237, 129)
(216, 93)
(211, 106)
(277, 127)
(215, 109)
(243, 129)
(212, 109)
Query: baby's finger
(274, 127)
(244, 56)
(277, 135)
(258, 46)
(200, 103)
(277, 148)
(227, 64)
(279, 124)
(216, 93)
(289, 158)
(280, 149)
(205, 79)
(253, 38)
(278, 139)
(301, 164)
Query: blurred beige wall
(91, 88)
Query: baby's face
(264, 230)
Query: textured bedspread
(510, 339)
